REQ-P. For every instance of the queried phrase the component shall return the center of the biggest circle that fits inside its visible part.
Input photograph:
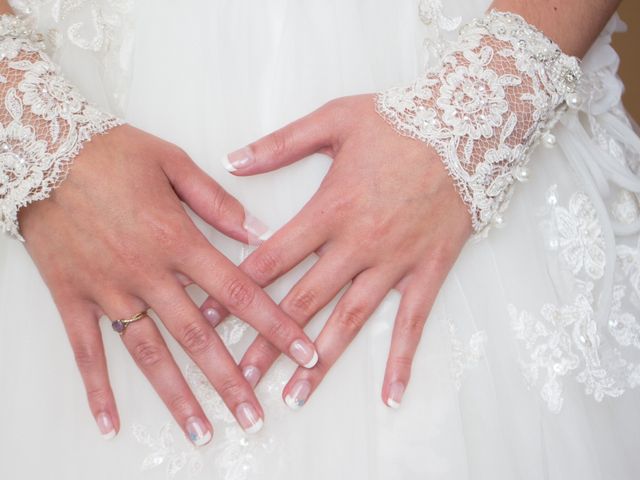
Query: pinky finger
(416, 303)
(83, 330)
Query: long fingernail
(248, 418)
(258, 231)
(213, 316)
(298, 395)
(304, 354)
(252, 375)
(107, 430)
(198, 433)
(239, 159)
(396, 391)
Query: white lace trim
(497, 89)
(44, 122)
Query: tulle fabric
(212, 76)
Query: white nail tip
(313, 361)
(256, 427)
(110, 435)
(203, 440)
(227, 164)
(292, 403)
(265, 236)
(393, 404)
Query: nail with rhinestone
(298, 394)
(197, 432)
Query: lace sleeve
(497, 90)
(44, 121)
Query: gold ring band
(119, 326)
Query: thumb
(212, 203)
(306, 136)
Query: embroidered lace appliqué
(44, 121)
(566, 338)
(465, 356)
(496, 91)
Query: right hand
(114, 240)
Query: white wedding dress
(530, 359)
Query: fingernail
(107, 430)
(239, 159)
(298, 394)
(252, 375)
(248, 418)
(304, 354)
(258, 231)
(212, 316)
(396, 391)
(198, 433)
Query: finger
(149, 350)
(207, 199)
(307, 297)
(184, 321)
(308, 135)
(304, 234)
(417, 300)
(243, 298)
(353, 310)
(83, 330)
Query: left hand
(386, 215)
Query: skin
(114, 239)
(385, 216)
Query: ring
(119, 326)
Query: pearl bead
(498, 220)
(523, 174)
(553, 243)
(549, 140)
(573, 100)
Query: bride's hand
(387, 214)
(115, 239)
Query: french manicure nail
(212, 316)
(239, 159)
(298, 395)
(252, 375)
(258, 231)
(396, 391)
(248, 418)
(304, 354)
(198, 433)
(107, 430)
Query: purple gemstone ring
(119, 326)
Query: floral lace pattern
(493, 95)
(465, 356)
(43, 125)
(567, 338)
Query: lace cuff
(497, 90)
(44, 121)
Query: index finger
(225, 282)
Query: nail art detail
(197, 432)
(212, 316)
(304, 354)
(258, 231)
(298, 395)
(252, 375)
(396, 391)
(248, 418)
(237, 160)
(107, 430)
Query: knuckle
(303, 303)
(266, 265)
(86, 355)
(402, 363)
(98, 396)
(230, 388)
(278, 144)
(220, 202)
(239, 294)
(279, 330)
(147, 354)
(264, 350)
(179, 404)
(351, 318)
(412, 325)
(197, 338)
